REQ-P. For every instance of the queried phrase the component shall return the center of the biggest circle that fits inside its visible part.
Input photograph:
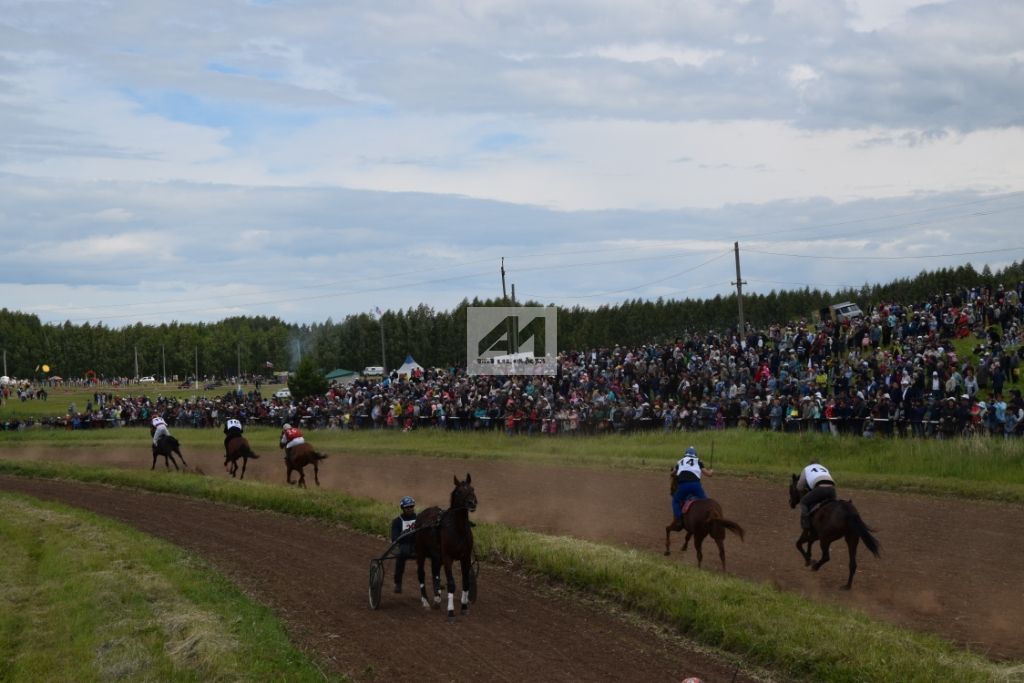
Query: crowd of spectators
(893, 371)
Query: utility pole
(739, 289)
(239, 347)
(196, 385)
(5, 362)
(504, 296)
(136, 363)
(383, 356)
(163, 358)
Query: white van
(373, 371)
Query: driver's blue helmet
(407, 502)
(691, 451)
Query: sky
(197, 160)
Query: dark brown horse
(703, 518)
(167, 446)
(297, 457)
(831, 521)
(446, 536)
(238, 447)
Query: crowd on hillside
(892, 372)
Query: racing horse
(237, 448)
(446, 536)
(167, 446)
(830, 521)
(703, 517)
(297, 457)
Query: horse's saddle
(820, 504)
(689, 502)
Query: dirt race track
(949, 567)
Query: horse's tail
(319, 456)
(864, 531)
(726, 524)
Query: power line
(629, 289)
(883, 258)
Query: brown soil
(954, 568)
(315, 578)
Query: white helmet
(157, 421)
(286, 426)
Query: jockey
(290, 437)
(158, 430)
(407, 548)
(815, 486)
(232, 428)
(688, 471)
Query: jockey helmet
(691, 451)
(286, 426)
(407, 502)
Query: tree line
(260, 345)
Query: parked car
(148, 379)
(283, 393)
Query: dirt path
(953, 568)
(315, 578)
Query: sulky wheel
(376, 582)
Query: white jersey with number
(234, 424)
(689, 463)
(815, 473)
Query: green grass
(60, 398)
(84, 598)
(982, 468)
(756, 624)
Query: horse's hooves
(667, 553)
(845, 588)
(816, 566)
(451, 615)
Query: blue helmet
(691, 451)
(407, 502)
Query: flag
(269, 364)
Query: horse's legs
(421, 575)
(302, 476)
(183, 463)
(316, 473)
(851, 544)
(465, 563)
(805, 537)
(245, 461)
(825, 557)
(154, 461)
(435, 573)
(676, 525)
(719, 538)
(698, 540)
(289, 468)
(450, 587)
(686, 541)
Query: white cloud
(348, 143)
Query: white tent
(408, 366)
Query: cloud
(338, 149)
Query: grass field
(757, 624)
(84, 598)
